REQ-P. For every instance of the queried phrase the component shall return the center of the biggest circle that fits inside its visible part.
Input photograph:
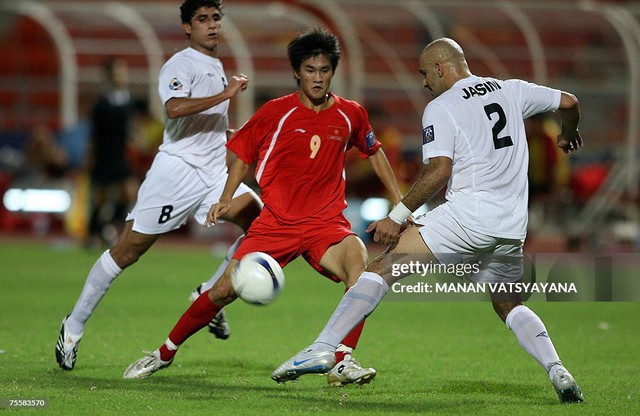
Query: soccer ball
(257, 279)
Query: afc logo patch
(371, 139)
(175, 85)
(428, 135)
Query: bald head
(442, 63)
(444, 50)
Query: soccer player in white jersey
(187, 175)
(473, 142)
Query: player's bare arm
(236, 174)
(433, 178)
(569, 139)
(186, 106)
(382, 168)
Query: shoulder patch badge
(371, 139)
(428, 135)
(175, 85)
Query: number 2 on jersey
(500, 124)
(314, 144)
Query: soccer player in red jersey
(298, 143)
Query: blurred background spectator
(46, 160)
(549, 174)
(113, 184)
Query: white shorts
(171, 192)
(498, 259)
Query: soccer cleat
(566, 387)
(349, 371)
(67, 347)
(195, 294)
(218, 325)
(147, 365)
(306, 361)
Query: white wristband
(400, 213)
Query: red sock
(351, 340)
(199, 314)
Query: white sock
(223, 266)
(170, 345)
(347, 351)
(532, 335)
(104, 271)
(356, 304)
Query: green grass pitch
(432, 357)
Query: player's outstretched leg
(564, 383)
(357, 303)
(218, 326)
(195, 318)
(147, 365)
(101, 275)
(67, 347)
(532, 335)
(307, 361)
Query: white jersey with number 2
(478, 123)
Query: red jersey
(300, 155)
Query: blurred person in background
(113, 185)
(147, 134)
(45, 158)
(362, 180)
(549, 174)
(187, 175)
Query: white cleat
(566, 387)
(349, 371)
(67, 347)
(306, 361)
(146, 366)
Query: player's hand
(237, 83)
(217, 211)
(385, 230)
(569, 142)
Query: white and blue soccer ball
(258, 278)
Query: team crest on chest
(337, 133)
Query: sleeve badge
(175, 85)
(371, 139)
(428, 135)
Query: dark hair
(312, 43)
(189, 7)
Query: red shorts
(286, 243)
